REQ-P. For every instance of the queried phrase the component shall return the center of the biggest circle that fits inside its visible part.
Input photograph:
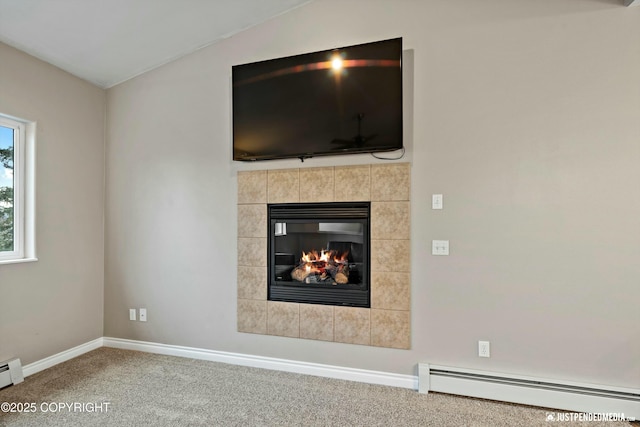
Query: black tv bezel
(336, 152)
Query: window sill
(17, 261)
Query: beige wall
(525, 115)
(56, 303)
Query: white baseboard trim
(63, 356)
(328, 371)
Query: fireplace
(386, 321)
(319, 253)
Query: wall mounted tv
(337, 101)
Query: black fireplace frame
(352, 295)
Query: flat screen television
(338, 101)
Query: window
(16, 190)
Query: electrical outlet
(143, 314)
(132, 314)
(484, 349)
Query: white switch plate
(436, 201)
(440, 247)
(143, 314)
(132, 314)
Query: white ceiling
(109, 41)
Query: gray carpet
(144, 389)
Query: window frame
(23, 190)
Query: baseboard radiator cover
(547, 393)
(10, 372)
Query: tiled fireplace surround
(387, 322)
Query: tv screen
(338, 101)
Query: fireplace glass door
(319, 253)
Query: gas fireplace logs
(326, 267)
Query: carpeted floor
(110, 387)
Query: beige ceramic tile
(283, 319)
(390, 220)
(390, 328)
(316, 185)
(316, 322)
(252, 220)
(390, 182)
(353, 183)
(391, 291)
(252, 252)
(352, 325)
(252, 187)
(283, 186)
(387, 324)
(390, 255)
(252, 283)
(252, 316)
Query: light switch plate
(440, 247)
(436, 201)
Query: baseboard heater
(10, 372)
(546, 393)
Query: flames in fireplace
(326, 256)
(328, 266)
